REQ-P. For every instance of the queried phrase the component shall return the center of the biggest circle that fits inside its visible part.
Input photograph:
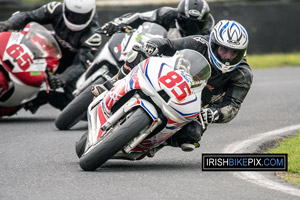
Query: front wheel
(80, 145)
(76, 110)
(115, 141)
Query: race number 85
(23, 59)
(176, 84)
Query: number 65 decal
(175, 82)
(23, 59)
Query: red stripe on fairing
(146, 62)
(194, 115)
(136, 82)
(171, 121)
(102, 120)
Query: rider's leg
(188, 137)
(132, 59)
(57, 99)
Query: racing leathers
(224, 92)
(78, 47)
(166, 17)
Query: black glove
(110, 28)
(4, 26)
(150, 49)
(56, 81)
(209, 115)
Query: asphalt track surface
(38, 162)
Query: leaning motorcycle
(25, 57)
(135, 117)
(106, 64)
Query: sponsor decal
(201, 40)
(94, 40)
(52, 6)
(194, 13)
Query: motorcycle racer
(191, 17)
(226, 89)
(230, 80)
(74, 23)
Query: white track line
(257, 177)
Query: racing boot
(99, 89)
(188, 137)
(33, 106)
(132, 59)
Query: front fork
(136, 100)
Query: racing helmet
(78, 14)
(194, 66)
(193, 16)
(232, 36)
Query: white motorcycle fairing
(156, 78)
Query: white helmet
(78, 13)
(231, 35)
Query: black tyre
(115, 141)
(76, 110)
(80, 144)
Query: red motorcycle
(25, 58)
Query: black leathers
(224, 91)
(73, 43)
(165, 16)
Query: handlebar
(140, 50)
(123, 29)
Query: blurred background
(273, 25)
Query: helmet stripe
(222, 29)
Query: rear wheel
(115, 141)
(76, 110)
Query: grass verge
(273, 60)
(291, 146)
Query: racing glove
(209, 115)
(112, 27)
(150, 49)
(4, 26)
(56, 81)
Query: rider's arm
(235, 94)
(209, 26)
(90, 44)
(169, 47)
(42, 15)
(163, 16)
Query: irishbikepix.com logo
(244, 162)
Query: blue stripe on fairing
(131, 83)
(183, 113)
(146, 73)
(148, 110)
(171, 127)
(186, 102)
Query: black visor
(77, 18)
(192, 25)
